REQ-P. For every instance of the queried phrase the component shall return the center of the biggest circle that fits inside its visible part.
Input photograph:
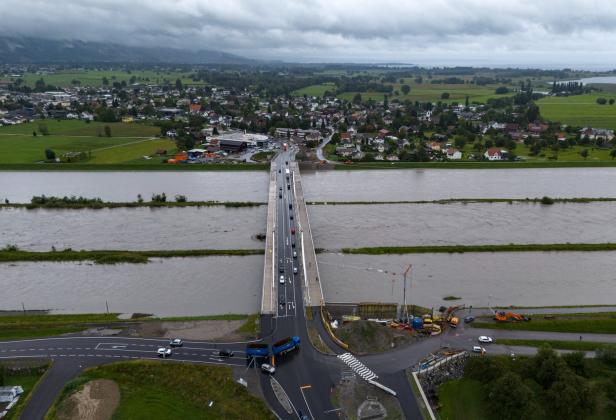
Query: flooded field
(524, 278)
(169, 287)
(215, 227)
(435, 184)
(20, 186)
(342, 226)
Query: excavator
(502, 316)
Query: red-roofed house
(494, 153)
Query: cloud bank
(574, 33)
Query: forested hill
(34, 50)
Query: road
(326, 140)
(305, 375)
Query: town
(207, 122)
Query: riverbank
(85, 203)
(543, 200)
(435, 249)
(147, 166)
(11, 254)
(476, 165)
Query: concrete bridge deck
(268, 298)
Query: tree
(215, 131)
(570, 397)
(584, 153)
(178, 84)
(105, 81)
(613, 153)
(357, 98)
(40, 85)
(510, 398)
(43, 129)
(611, 101)
(107, 131)
(547, 366)
(501, 90)
(50, 154)
(445, 95)
(607, 354)
(575, 361)
(601, 101)
(405, 89)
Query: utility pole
(405, 309)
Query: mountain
(44, 51)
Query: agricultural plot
(580, 110)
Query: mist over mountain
(39, 51)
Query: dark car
(290, 206)
(278, 170)
(469, 319)
(226, 353)
(279, 195)
(293, 244)
(288, 186)
(291, 216)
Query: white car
(478, 349)
(294, 270)
(294, 254)
(176, 342)
(164, 352)
(281, 280)
(267, 368)
(485, 339)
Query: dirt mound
(193, 330)
(97, 400)
(365, 337)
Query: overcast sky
(547, 33)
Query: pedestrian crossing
(357, 366)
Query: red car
(292, 231)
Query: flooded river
(169, 287)
(342, 226)
(435, 184)
(143, 228)
(524, 278)
(20, 186)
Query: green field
(315, 90)
(14, 327)
(555, 344)
(427, 92)
(128, 142)
(155, 390)
(94, 78)
(580, 110)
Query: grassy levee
(13, 327)
(114, 256)
(541, 200)
(477, 165)
(555, 344)
(451, 249)
(93, 204)
(598, 323)
(155, 390)
(141, 166)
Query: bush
(159, 198)
(181, 198)
(607, 354)
(601, 101)
(547, 200)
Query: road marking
(301, 389)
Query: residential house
(453, 154)
(495, 153)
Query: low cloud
(426, 32)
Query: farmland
(579, 110)
(94, 78)
(315, 90)
(128, 142)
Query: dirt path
(193, 330)
(97, 400)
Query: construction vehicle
(453, 320)
(257, 350)
(502, 316)
(282, 347)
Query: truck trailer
(285, 345)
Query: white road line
(304, 396)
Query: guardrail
(329, 329)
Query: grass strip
(222, 317)
(114, 256)
(14, 327)
(155, 390)
(578, 324)
(112, 205)
(555, 344)
(542, 200)
(476, 165)
(430, 249)
(146, 166)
